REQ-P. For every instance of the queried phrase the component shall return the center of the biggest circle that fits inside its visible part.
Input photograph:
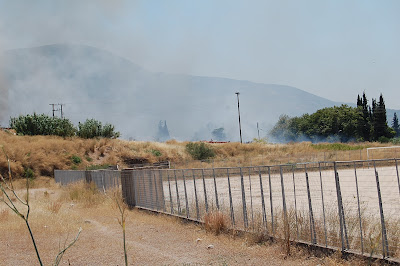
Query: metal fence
(352, 205)
(103, 179)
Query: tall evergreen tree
(379, 120)
(395, 125)
(365, 123)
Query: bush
(200, 151)
(92, 128)
(76, 159)
(28, 173)
(156, 153)
(42, 125)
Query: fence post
(270, 200)
(177, 193)
(397, 172)
(323, 203)
(144, 198)
(264, 214)
(195, 196)
(385, 248)
(149, 178)
(310, 210)
(162, 189)
(251, 199)
(295, 202)
(359, 210)
(285, 219)
(343, 230)
(103, 173)
(245, 221)
(215, 189)
(170, 194)
(230, 198)
(186, 198)
(205, 190)
(156, 190)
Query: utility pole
(240, 127)
(52, 105)
(258, 132)
(61, 104)
(54, 109)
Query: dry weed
(87, 194)
(54, 207)
(215, 222)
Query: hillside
(43, 154)
(93, 83)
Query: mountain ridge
(118, 91)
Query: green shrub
(156, 153)
(29, 173)
(383, 139)
(200, 151)
(92, 128)
(42, 125)
(76, 159)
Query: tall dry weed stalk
(215, 222)
(11, 199)
(122, 208)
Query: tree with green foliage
(93, 128)
(364, 119)
(42, 125)
(339, 123)
(380, 128)
(395, 125)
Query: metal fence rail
(103, 179)
(352, 205)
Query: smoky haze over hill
(94, 83)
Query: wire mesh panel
(348, 205)
(65, 177)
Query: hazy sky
(334, 49)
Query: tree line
(340, 123)
(41, 124)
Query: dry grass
(151, 239)
(216, 222)
(43, 154)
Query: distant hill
(94, 83)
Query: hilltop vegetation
(41, 124)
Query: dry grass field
(57, 213)
(43, 154)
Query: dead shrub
(87, 194)
(215, 222)
(54, 207)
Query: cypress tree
(395, 125)
(366, 118)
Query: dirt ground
(151, 239)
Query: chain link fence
(349, 205)
(103, 179)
